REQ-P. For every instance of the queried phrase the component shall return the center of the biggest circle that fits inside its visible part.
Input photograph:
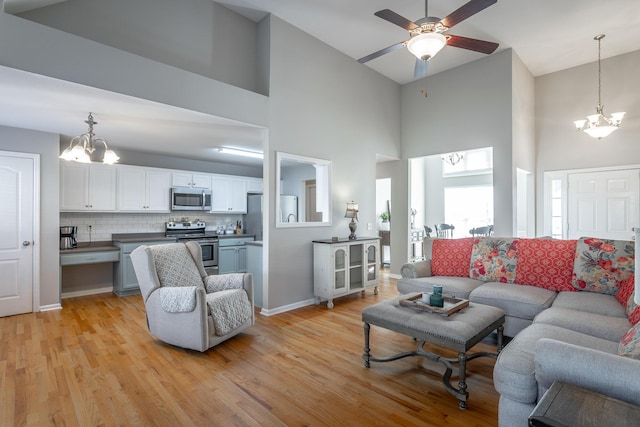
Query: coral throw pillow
(630, 343)
(625, 295)
(451, 257)
(494, 259)
(546, 263)
(601, 264)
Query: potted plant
(384, 216)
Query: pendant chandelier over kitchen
(85, 145)
(597, 125)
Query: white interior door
(603, 204)
(17, 230)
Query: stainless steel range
(186, 230)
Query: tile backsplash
(100, 226)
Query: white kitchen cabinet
(254, 185)
(232, 255)
(228, 194)
(87, 187)
(344, 267)
(143, 189)
(191, 180)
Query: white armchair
(185, 307)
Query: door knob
(26, 243)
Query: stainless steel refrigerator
(253, 217)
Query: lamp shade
(352, 210)
(425, 46)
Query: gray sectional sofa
(560, 333)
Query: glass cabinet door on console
(344, 267)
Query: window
(474, 162)
(468, 207)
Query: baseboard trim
(395, 276)
(50, 307)
(87, 292)
(285, 308)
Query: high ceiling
(548, 35)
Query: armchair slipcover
(184, 306)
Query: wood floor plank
(95, 364)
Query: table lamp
(352, 212)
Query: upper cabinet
(87, 187)
(143, 189)
(228, 194)
(191, 180)
(125, 188)
(254, 185)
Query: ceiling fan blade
(421, 69)
(381, 52)
(476, 45)
(394, 18)
(465, 11)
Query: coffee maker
(68, 237)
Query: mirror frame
(280, 156)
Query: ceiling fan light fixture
(426, 45)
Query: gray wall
(324, 104)
(202, 38)
(572, 94)
(467, 107)
(46, 145)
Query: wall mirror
(304, 191)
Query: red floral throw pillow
(602, 264)
(494, 259)
(451, 257)
(630, 343)
(625, 295)
(546, 263)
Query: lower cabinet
(344, 267)
(125, 281)
(232, 255)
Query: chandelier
(452, 158)
(85, 145)
(597, 125)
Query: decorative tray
(451, 304)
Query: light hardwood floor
(95, 364)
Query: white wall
(46, 145)
(324, 104)
(569, 95)
(202, 37)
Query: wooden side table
(566, 405)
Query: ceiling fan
(427, 36)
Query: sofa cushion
(546, 263)
(516, 300)
(514, 371)
(630, 343)
(223, 282)
(494, 259)
(602, 264)
(625, 295)
(228, 309)
(451, 257)
(590, 302)
(597, 325)
(459, 287)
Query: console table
(342, 267)
(565, 405)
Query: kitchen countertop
(234, 236)
(256, 243)
(141, 237)
(91, 247)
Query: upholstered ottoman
(460, 331)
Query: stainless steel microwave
(190, 199)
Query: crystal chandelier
(452, 158)
(85, 146)
(597, 125)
